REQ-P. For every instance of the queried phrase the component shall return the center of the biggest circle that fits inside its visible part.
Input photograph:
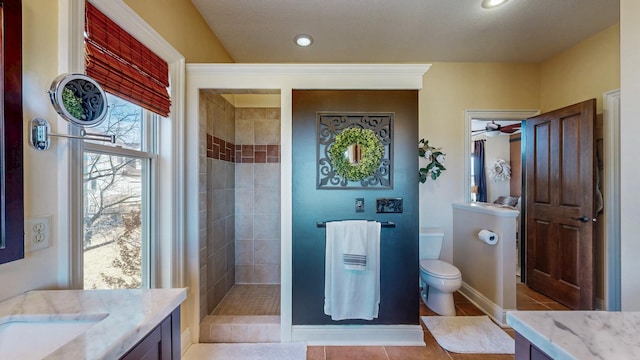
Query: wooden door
(559, 154)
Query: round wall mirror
(78, 99)
(356, 153)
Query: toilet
(438, 279)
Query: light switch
(359, 205)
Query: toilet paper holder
(488, 236)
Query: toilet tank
(430, 243)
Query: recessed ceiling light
(488, 4)
(303, 40)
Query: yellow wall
(582, 72)
(180, 23)
(38, 270)
(448, 90)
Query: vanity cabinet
(525, 350)
(162, 343)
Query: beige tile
(219, 263)
(240, 333)
(267, 252)
(244, 274)
(216, 174)
(230, 229)
(267, 201)
(220, 333)
(217, 230)
(272, 113)
(251, 113)
(230, 250)
(273, 332)
(267, 176)
(244, 204)
(267, 227)
(244, 252)
(266, 274)
(244, 176)
(258, 333)
(244, 227)
(267, 132)
(219, 204)
(245, 133)
(230, 171)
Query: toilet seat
(439, 269)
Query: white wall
(629, 154)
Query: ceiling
(397, 31)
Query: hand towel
(354, 244)
(351, 294)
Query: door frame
(611, 111)
(611, 215)
(486, 115)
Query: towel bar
(387, 224)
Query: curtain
(123, 66)
(479, 175)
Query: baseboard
(495, 312)
(362, 335)
(185, 341)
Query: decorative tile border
(226, 151)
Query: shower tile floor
(250, 299)
(249, 313)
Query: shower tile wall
(219, 249)
(257, 195)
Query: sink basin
(35, 337)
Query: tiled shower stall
(239, 196)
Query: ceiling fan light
(488, 4)
(303, 40)
(492, 133)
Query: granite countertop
(130, 315)
(580, 334)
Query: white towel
(351, 294)
(354, 244)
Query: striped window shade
(123, 66)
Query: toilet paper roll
(488, 237)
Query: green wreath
(372, 151)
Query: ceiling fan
(493, 129)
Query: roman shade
(123, 66)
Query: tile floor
(527, 299)
(238, 302)
(250, 299)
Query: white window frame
(169, 194)
(150, 185)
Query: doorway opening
(240, 184)
(502, 145)
(607, 131)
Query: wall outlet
(37, 233)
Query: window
(155, 143)
(118, 205)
